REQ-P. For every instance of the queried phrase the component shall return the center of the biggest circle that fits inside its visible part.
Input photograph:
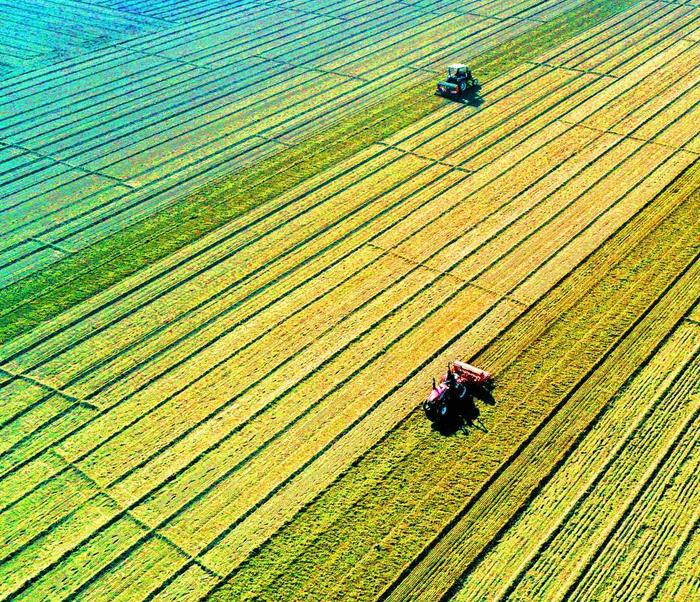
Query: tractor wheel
(431, 411)
(463, 86)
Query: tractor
(459, 82)
(454, 394)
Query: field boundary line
(310, 69)
(165, 57)
(484, 289)
(456, 167)
(126, 512)
(633, 137)
(50, 245)
(20, 376)
(574, 69)
(119, 514)
(117, 181)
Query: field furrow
(641, 412)
(681, 581)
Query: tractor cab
(457, 71)
(459, 81)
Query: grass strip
(48, 292)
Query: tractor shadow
(473, 98)
(484, 395)
(468, 417)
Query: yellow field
(242, 419)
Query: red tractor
(455, 392)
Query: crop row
(255, 362)
(291, 212)
(445, 320)
(636, 413)
(667, 507)
(87, 325)
(680, 582)
(619, 49)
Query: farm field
(154, 99)
(241, 419)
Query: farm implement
(460, 80)
(453, 396)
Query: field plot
(173, 94)
(34, 33)
(241, 420)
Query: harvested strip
(41, 510)
(682, 581)
(619, 87)
(194, 583)
(24, 566)
(18, 396)
(141, 571)
(67, 576)
(294, 285)
(71, 418)
(641, 402)
(645, 543)
(25, 478)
